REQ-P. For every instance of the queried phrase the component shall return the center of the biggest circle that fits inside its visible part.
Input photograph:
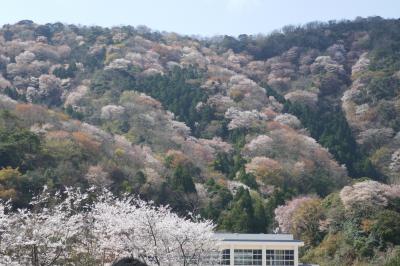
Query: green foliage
(383, 88)
(179, 92)
(112, 80)
(18, 148)
(125, 180)
(387, 114)
(355, 236)
(319, 35)
(395, 260)
(261, 221)
(362, 242)
(182, 179)
(277, 198)
(229, 163)
(52, 162)
(9, 181)
(8, 120)
(64, 73)
(318, 183)
(44, 30)
(246, 214)
(394, 205)
(72, 113)
(229, 42)
(274, 93)
(385, 42)
(232, 163)
(241, 214)
(13, 94)
(333, 250)
(91, 61)
(17, 187)
(237, 137)
(247, 179)
(140, 178)
(387, 226)
(334, 211)
(306, 222)
(224, 163)
(330, 128)
(220, 197)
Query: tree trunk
(35, 258)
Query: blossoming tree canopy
(81, 228)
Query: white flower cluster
(395, 162)
(4, 83)
(244, 119)
(258, 146)
(326, 64)
(288, 120)
(284, 213)
(112, 112)
(76, 228)
(302, 97)
(361, 65)
(368, 194)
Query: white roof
(255, 237)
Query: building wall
(263, 246)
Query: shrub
(387, 226)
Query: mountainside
(229, 128)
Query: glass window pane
(226, 257)
(248, 257)
(279, 257)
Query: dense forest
(297, 131)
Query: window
(226, 257)
(218, 258)
(248, 257)
(280, 257)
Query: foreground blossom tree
(71, 227)
(42, 235)
(132, 227)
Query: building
(258, 249)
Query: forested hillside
(296, 131)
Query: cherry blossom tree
(368, 194)
(258, 146)
(71, 227)
(288, 120)
(244, 119)
(42, 235)
(25, 58)
(112, 112)
(284, 214)
(118, 64)
(302, 97)
(361, 65)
